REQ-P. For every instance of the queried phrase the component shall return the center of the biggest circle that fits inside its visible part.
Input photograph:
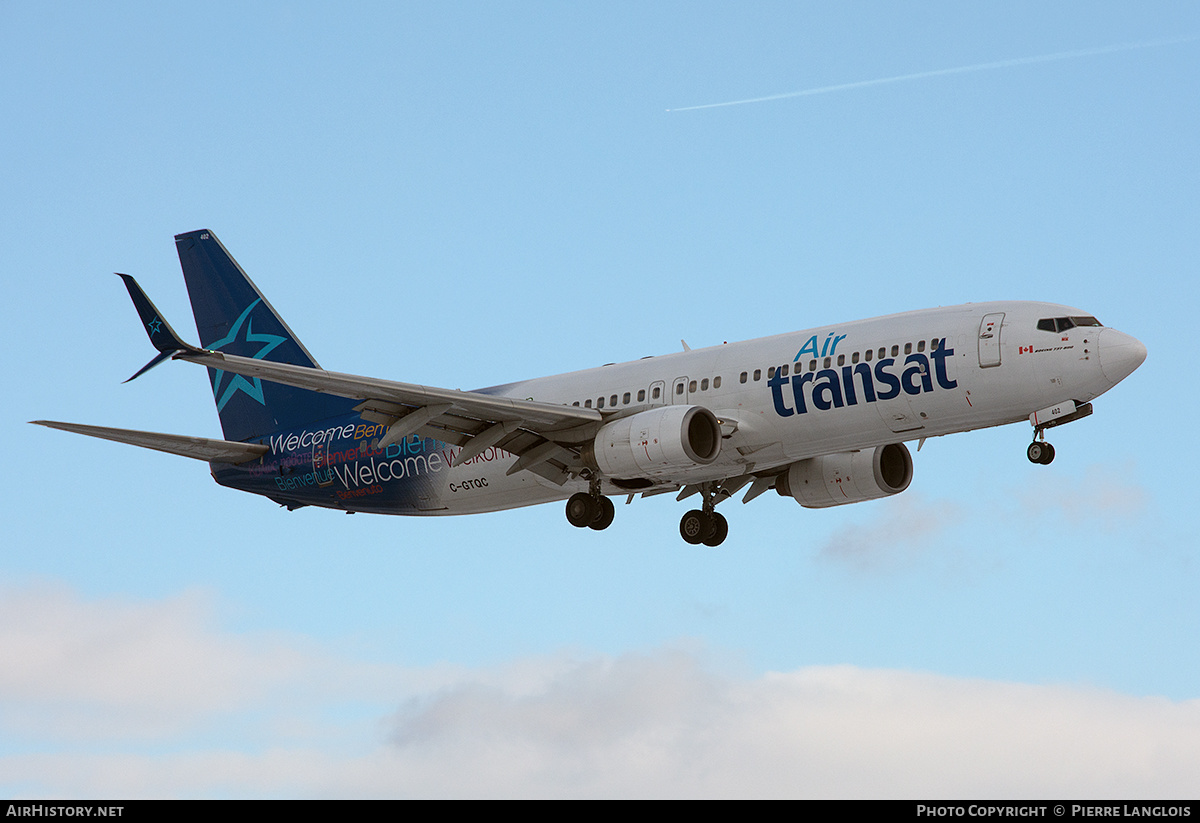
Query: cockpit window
(1059, 324)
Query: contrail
(999, 64)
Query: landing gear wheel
(1040, 452)
(720, 530)
(582, 509)
(695, 527)
(605, 512)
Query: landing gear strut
(590, 509)
(705, 525)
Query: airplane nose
(1120, 354)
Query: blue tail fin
(233, 316)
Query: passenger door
(989, 340)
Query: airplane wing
(545, 436)
(540, 433)
(200, 448)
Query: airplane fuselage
(781, 399)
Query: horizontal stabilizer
(200, 448)
(161, 335)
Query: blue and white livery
(820, 415)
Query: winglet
(161, 335)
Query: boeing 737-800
(820, 415)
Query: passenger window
(785, 369)
(812, 365)
(600, 403)
(854, 357)
(612, 401)
(576, 403)
(692, 386)
(742, 378)
(704, 384)
(908, 348)
(679, 388)
(828, 362)
(867, 355)
(654, 394)
(935, 344)
(717, 382)
(587, 404)
(920, 346)
(895, 350)
(757, 375)
(625, 399)
(770, 372)
(841, 359)
(641, 395)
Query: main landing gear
(698, 527)
(590, 509)
(705, 525)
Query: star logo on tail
(237, 383)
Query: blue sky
(466, 194)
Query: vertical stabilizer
(234, 317)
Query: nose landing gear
(1068, 411)
(1040, 451)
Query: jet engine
(848, 477)
(657, 442)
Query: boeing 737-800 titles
(820, 415)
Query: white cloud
(123, 669)
(1100, 493)
(666, 723)
(908, 529)
(903, 528)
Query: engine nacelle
(657, 442)
(848, 477)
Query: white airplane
(820, 415)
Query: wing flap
(198, 448)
